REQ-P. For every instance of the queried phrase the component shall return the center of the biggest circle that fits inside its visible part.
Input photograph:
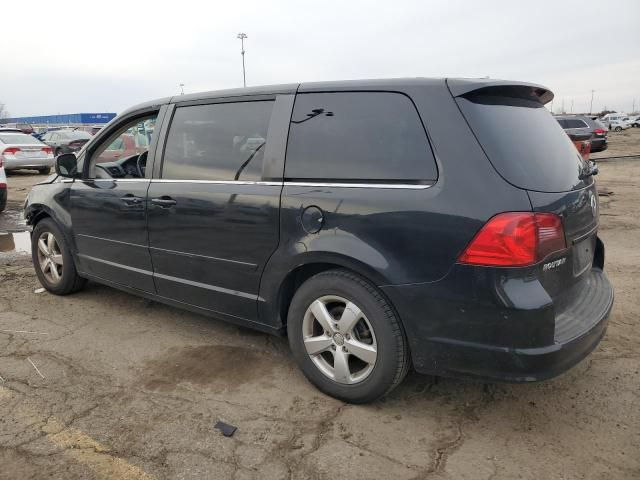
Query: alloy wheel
(339, 339)
(50, 257)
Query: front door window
(124, 154)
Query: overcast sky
(79, 56)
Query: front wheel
(346, 338)
(52, 259)
(618, 129)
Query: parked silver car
(18, 150)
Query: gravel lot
(102, 384)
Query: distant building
(71, 118)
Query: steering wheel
(141, 164)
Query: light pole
(242, 36)
(591, 104)
(182, 89)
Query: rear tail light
(11, 151)
(600, 131)
(47, 150)
(8, 152)
(515, 239)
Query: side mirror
(67, 165)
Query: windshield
(19, 138)
(524, 142)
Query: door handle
(164, 202)
(131, 199)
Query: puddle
(12, 221)
(19, 243)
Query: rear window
(358, 137)
(79, 135)
(74, 134)
(18, 138)
(575, 123)
(523, 141)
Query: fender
(59, 210)
(285, 261)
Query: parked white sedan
(19, 150)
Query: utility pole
(182, 89)
(591, 104)
(571, 111)
(242, 36)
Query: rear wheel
(346, 338)
(44, 170)
(52, 259)
(618, 129)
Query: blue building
(71, 118)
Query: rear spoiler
(473, 87)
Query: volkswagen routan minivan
(448, 225)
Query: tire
(58, 252)
(376, 328)
(617, 129)
(44, 171)
(3, 199)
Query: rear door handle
(164, 202)
(131, 199)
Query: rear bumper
(29, 163)
(470, 351)
(599, 144)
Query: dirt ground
(103, 384)
(622, 143)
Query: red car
(125, 146)
(582, 142)
(23, 127)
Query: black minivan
(447, 224)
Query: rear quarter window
(358, 137)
